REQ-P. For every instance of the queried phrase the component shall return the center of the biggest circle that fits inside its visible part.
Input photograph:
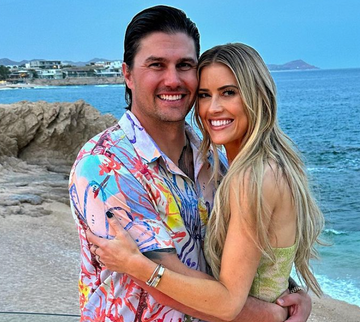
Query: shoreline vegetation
(38, 144)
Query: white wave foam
(334, 232)
(46, 87)
(346, 290)
(110, 85)
(325, 169)
(341, 289)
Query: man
(145, 171)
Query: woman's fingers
(114, 223)
(113, 253)
(93, 239)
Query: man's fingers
(289, 299)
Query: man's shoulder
(108, 147)
(104, 141)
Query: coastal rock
(38, 144)
(48, 133)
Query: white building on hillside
(43, 64)
(50, 73)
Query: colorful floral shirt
(123, 170)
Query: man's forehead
(158, 43)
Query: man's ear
(127, 75)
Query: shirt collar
(147, 148)
(143, 144)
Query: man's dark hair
(155, 19)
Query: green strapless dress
(272, 279)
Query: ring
(97, 257)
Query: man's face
(163, 78)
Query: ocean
(320, 111)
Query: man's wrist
(294, 287)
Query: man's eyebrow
(161, 59)
(154, 58)
(188, 60)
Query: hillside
(293, 65)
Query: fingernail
(280, 301)
(109, 214)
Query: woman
(264, 217)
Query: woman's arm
(224, 298)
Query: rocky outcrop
(48, 133)
(38, 144)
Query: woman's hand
(116, 254)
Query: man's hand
(258, 310)
(299, 306)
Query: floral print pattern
(123, 171)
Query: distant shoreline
(80, 81)
(69, 81)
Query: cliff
(38, 144)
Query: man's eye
(185, 66)
(155, 65)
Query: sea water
(320, 111)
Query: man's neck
(169, 136)
(170, 139)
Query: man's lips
(173, 97)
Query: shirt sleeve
(99, 184)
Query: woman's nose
(215, 105)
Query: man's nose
(172, 77)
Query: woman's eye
(202, 95)
(229, 92)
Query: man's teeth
(170, 97)
(219, 122)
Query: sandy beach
(40, 268)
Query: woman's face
(221, 108)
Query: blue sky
(324, 33)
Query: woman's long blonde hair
(263, 144)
